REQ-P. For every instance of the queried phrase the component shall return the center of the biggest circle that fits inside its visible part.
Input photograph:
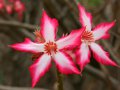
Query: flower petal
(100, 55)
(39, 68)
(48, 27)
(83, 56)
(28, 46)
(100, 31)
(64, 63)
(85, 17)
(70, 41)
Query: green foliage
(91, 2)
(94, 2)
(78, 0)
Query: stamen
(39, 37)
(50, 48)
(88, 37)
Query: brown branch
(100, 75)
(18, 88)
(111, 51)
(115, 34)
(30, 27)
(17, 24)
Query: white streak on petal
(65, 64)
(83, 55)
(85, 17)
(28, 46)
(39, 68)
(101, 30)
(100, 55)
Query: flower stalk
(59, 81)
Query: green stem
(59, 81)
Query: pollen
(50, 48)
(39, 37)
(88, 37)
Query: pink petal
(19, 6)
(28, 46)
(83, 55)
(48, 27)
(70, 41)
(64, 63)
(100, 55)
(2, 4)
(85, 17)
(101, 30)
(9, 9)
(39, 68)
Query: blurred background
(20, 19)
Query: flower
(88, 40)
(13, 6)
(1, 4)
(19, 8)
(9, 9)
(51, 49)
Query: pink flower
(19, 7)
(88, 40)
(9, 9)
(51, 49)
(1, 4)
(12, 1)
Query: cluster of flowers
(11, 6)
(46, 48)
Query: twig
(110, 51)
(59, 81)
(18, 88)
(17, 24)
(115, 34)
(100, 75)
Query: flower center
(87, 37)
(50, 48)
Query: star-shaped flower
(51, 49)
(88, 40)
